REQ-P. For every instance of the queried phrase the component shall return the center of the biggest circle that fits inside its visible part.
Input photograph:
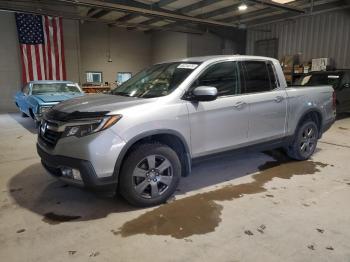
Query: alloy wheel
(152, 176)
(308, 140)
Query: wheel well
(315, 116)
(170, 140)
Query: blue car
(37, 97)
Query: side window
(223, 76)
(272, 74)
(256, 77)
(26, 89)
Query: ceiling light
(242, 7)
(282, 1)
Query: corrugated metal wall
(321, 35)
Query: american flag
(41, 44)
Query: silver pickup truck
(142, 138)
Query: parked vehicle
(37, 97)
(142, 138)
(339, 80)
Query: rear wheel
(304, 142)
(150, 175)
(24, 114)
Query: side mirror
(204, 93)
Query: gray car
(142, 138)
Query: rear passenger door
(266, 99)
(223, 123)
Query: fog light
(76, 174)
(71, 173)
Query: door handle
(239, 105)
(279, 99)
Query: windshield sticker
(333, 77)
(187, 66)
(71, 85)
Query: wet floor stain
(94, 254)
(312, 247)
(261, 229)
(248, 232)
(12, 190)
(201, 213)
(53, 218)
(319, 230)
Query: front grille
(49, 136)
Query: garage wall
(173, 45)
(168, 45)
(321, 35)
(130, 50)
(206, 44)
(71, 49)
(10, 70)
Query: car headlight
(92, 127)
(44, 109)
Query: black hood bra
(76, 115)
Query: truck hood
(56, 97)
(98, 103)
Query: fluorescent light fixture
(282, 1)
(242, 7)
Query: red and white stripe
(45, 61)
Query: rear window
(256, 77)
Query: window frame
(93, 72)
(235, 61)
(120, 73)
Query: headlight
(92, 127)
(44, 109)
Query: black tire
(304, 142)
(143, 182)
(24, 114)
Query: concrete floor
(246, 207)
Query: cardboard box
(321, 64)
(290, 60)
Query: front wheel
(304, 142)
(150, 175)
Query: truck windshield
(332, 79)
(158, 80)
(55, 88)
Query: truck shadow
(57, 202)
(342, 116)
(26, 122)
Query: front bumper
(53, 164)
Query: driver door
(22, 99)
(221, 124)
